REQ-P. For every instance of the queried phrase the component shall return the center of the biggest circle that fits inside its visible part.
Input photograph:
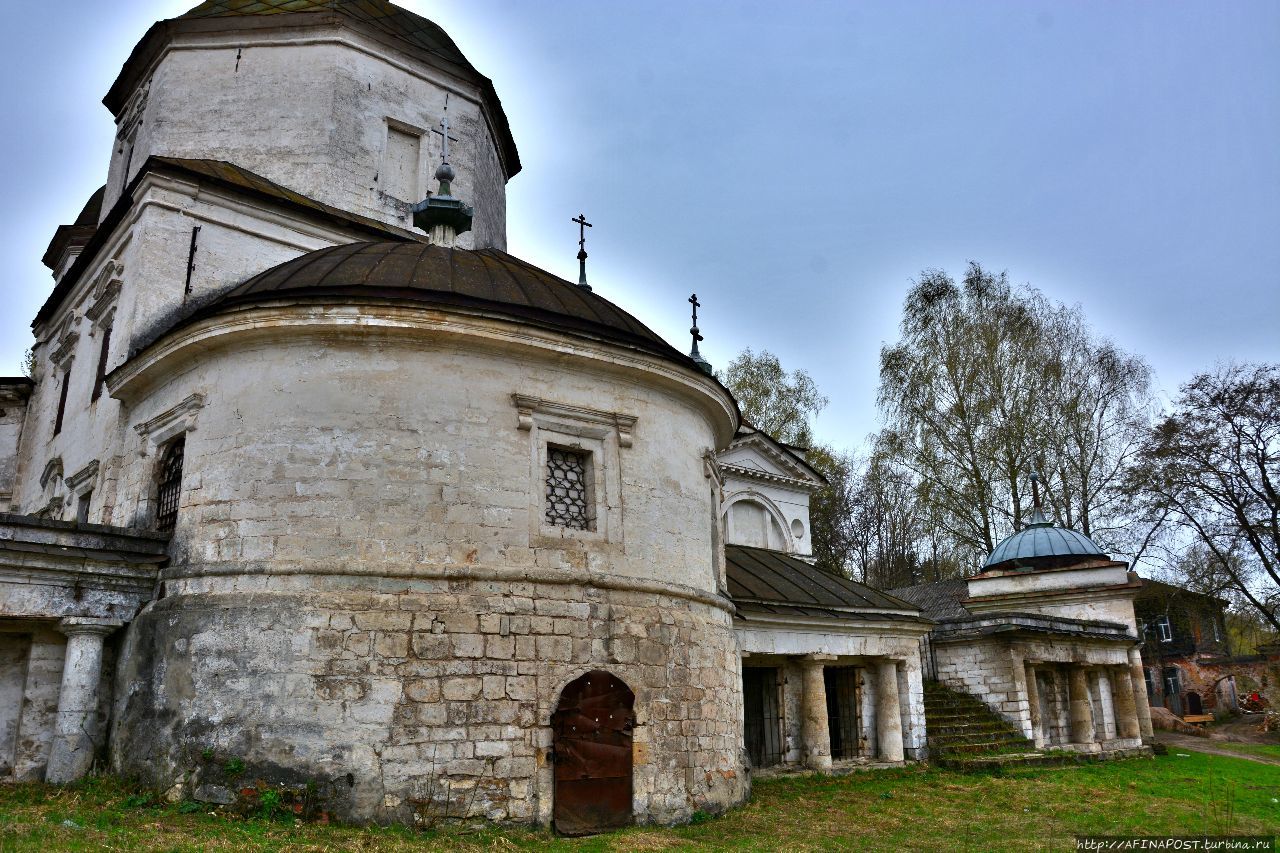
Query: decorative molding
(65, 347)
(712, 470)
(53, 509)
(102, 295)
(767, 477)
(527, 407)
(179, 419)
(52, 470)
(85, 476)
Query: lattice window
(566, 504)
(169, 487)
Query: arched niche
(753, 520)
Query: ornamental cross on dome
(444, 133)
(583, 225)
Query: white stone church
(312, 475)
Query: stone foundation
(393, 697)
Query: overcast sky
(799, 164)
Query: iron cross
(583, 225)
(697, 336)
(444, 132)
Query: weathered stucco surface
(322, 133)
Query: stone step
(975, 737)
(961, 726)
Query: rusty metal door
(592, 727)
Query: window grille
(762, 717)
(844, 701)
(170, 484)
(567, 489)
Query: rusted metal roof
(485, 280)
(759, 575)
(379, 19)
(939, 600)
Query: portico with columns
(825, 684)
(66, 590)
(1045, 636)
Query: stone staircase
(964, 732)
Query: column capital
(818, 657)
(74, 626)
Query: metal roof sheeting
(484, 279)
(1043, 540)
(761, 575)
(939, 600)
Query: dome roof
(484, 280)
(1042, 545)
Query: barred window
(169, 484)
(567, 500)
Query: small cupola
(441, 215)
(1041, 544)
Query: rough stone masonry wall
(395, 697)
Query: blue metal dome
(1042, 544)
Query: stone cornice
(767, 477)
(912, 629)
(389, 321)
(409, 574)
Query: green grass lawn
(1266, 750)
(910, 809)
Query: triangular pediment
(753, 451)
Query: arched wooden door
(592, 727)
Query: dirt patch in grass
(910, 809)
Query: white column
(1138, 677)
(71, 753)
(1033, 700)
(1127, 725)
(1107, 725)
(888, 711)
(1081, 709)
(814, 731)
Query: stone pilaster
(888, 711)
(814, 730)
(1080, 707)
(73, 747)
(1139, 681)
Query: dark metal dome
(1042, 545)
(484, 280)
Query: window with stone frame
(62, 401)
(568, 489)
(169, 483)
(104, 351)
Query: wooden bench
(1198, 718)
